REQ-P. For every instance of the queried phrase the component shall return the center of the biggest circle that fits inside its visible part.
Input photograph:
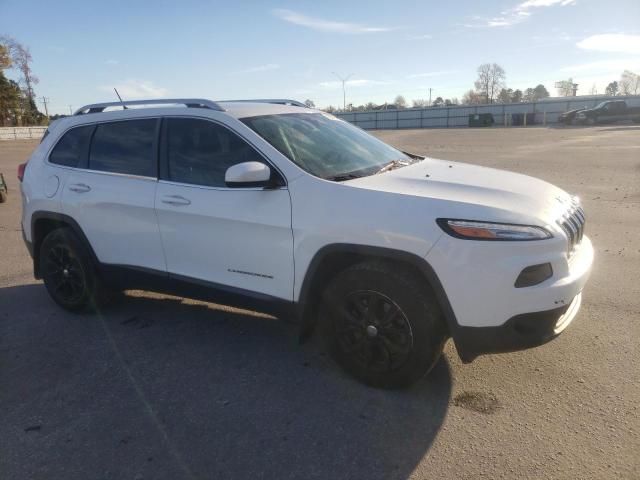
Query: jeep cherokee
(272, 206)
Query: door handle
(176, 200)
(79, 188)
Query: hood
(466, 191)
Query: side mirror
(248, 174)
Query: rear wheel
(382, 324)
(69, 274)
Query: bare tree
(420, 103)
(471, 98)
(309, 103)
(566, 88)
(491, 79)
(21, 59)
(400, 102)
(629, 83)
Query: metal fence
(20, 133)
(544, 112)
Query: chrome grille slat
(572, 223)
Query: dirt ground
(159, 387)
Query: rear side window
(125, 147)
(72, 148)
(199, 152)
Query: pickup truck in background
(569, 117)
(611, 111)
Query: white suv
(270, 205)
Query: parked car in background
(569, 117)
(611, 111)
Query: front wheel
(382, 324)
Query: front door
(232, 237)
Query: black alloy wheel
(374, 330)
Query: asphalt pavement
(159, 387)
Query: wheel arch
(44, 222)
(332, 259)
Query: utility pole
(344, 91)
(70, 110)
(429, 96)
(45, 100)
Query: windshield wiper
(342, 177)
(393, 164)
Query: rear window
(72, 147)
(125, 147)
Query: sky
(82, 49)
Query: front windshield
(325, 146)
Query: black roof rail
(187, 102)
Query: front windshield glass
(325, 146)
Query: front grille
(572, 222)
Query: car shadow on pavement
(157, 387)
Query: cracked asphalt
(159, 387)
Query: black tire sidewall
(66, 237)
(419, 307)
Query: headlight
(475, 230)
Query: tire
(69, 274)
(392, 345)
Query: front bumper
(518, 333)
(488, 314)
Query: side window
(199, 152)
(125, 147)
(72, 147)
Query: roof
(251, 109)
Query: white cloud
(362, 82)
(132, 89)
(543, 3)
(424, 36)
(261, 68)
(615, 66)
(612, 42)
(325, 25)
(111, 62)
(517, 14)
(430, 74)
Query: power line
(45, 100)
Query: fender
(320, 270)
(62, 220)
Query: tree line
(491, 87)
(17, 98)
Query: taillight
(21, 169)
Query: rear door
(112, 195)
(230, 237)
